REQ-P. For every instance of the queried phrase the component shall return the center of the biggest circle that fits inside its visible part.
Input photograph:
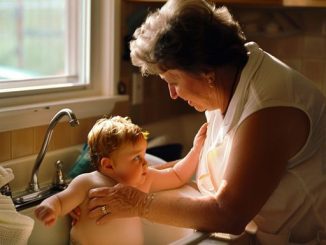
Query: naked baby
(117, 149)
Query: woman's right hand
(75, 215)
(119, 201)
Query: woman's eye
(137, 158)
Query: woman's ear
(210, 78)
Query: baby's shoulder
(99, 179)
(93, 179)
(87, 177)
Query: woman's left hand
(115, 202)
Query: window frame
(99, 97)
(77, 45)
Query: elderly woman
(263, 159)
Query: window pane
(32, 38)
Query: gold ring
(104, 210)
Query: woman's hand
(200, 137)
(115, 202)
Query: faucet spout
(34, 185)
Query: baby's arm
(183, 170)
(48, 210)
(63, 202)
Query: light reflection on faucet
(34, 185)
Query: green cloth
(82, 163)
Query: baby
(117, 149)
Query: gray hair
(191, 35)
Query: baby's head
(117, 148)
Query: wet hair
(190, 35)
(109, 133)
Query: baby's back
(117, 231)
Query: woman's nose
(173, 92)
(144, 165)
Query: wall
(28, 141)
(297, 36)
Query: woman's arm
(263, 144)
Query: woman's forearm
(200, 213)
(180, 207)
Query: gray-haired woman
(263, 159)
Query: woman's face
(129, 162)
(195, 90)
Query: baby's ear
(106, 163)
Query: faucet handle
(5, 190)
(59, 181)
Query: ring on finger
(104, 210)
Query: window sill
(32, 115)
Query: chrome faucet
(34, 185)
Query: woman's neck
(232, 82)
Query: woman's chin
(199, 109)
(196, 107)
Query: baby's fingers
(203, 129)
(75, 214)
(49, 220)
(46, 216)
(39, 212)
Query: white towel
(6, 175)
(15, 228)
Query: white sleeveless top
(296, 211)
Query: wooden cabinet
(286, 3)
(260, 2)
(305, 3)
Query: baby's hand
(45, 214)
(75, 216)
(200, 137)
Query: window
(44, 44)
(81, 78)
